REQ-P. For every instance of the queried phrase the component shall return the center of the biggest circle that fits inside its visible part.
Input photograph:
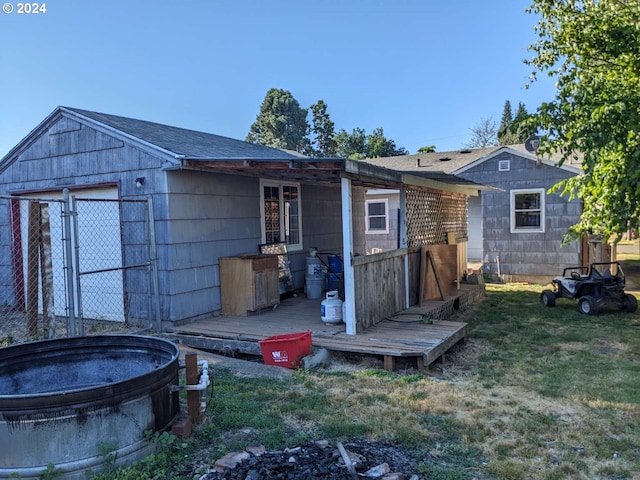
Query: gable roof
(458, 161)
(186, 143)
(173, 143)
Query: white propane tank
(331, 308)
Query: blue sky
(426, 71)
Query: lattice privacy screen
(431, 214)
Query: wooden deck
(419, 332)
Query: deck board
(409, 334)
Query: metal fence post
(68, 248)
(154, 265)
(76, 260)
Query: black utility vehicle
(593, 287)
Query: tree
(507, 115)
(379, 146)
(322, 127)
(516, 129)
(504, 137)
(358, 145)
(427, 149)
(352, 145)
(592, 49)
(484, 134)
(281, 123)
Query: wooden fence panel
(380, 288)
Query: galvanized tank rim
(93, 397)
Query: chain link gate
(76, 266)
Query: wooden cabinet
(248, 283)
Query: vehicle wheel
(629, 303)
(587, 305)
(548, 298)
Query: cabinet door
(266, 289)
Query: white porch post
(402, 233)
(347, 252)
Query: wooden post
(193, 396)
(33, 250)
(46, 267)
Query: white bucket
(313, 266)
(331, 308)
(314, 284)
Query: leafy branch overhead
(282, 123)
(592, 49)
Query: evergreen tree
(322, 127)
(504, 136)
(358, 145)
(352, 145)
(281, 123)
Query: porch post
(403, 242)
(347, 252)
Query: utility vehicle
(594, 287)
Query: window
(377, 212)
(527, 210)
(504, 165)
(281, 214)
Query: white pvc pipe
(204, 379)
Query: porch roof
(331, 170)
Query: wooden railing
(381, 287)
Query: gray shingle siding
(530, 254)
(199, 216)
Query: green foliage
(323, 130)
(514, 130)
(352, 145)
(50, 473)
(592, 49)
(170, 457)
(281, 123)
(507, 470)
(505, 121)
(427, 149)
(358, 145)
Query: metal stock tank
(71, 403)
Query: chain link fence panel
(77, 266)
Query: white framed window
(281, 214)
(377, 216)
(527, 210)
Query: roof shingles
(190, 144)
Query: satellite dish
(532, 144)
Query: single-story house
(516, 229)
(207, 197)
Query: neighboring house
(516, 229)
(382, 220)
(212, 197)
